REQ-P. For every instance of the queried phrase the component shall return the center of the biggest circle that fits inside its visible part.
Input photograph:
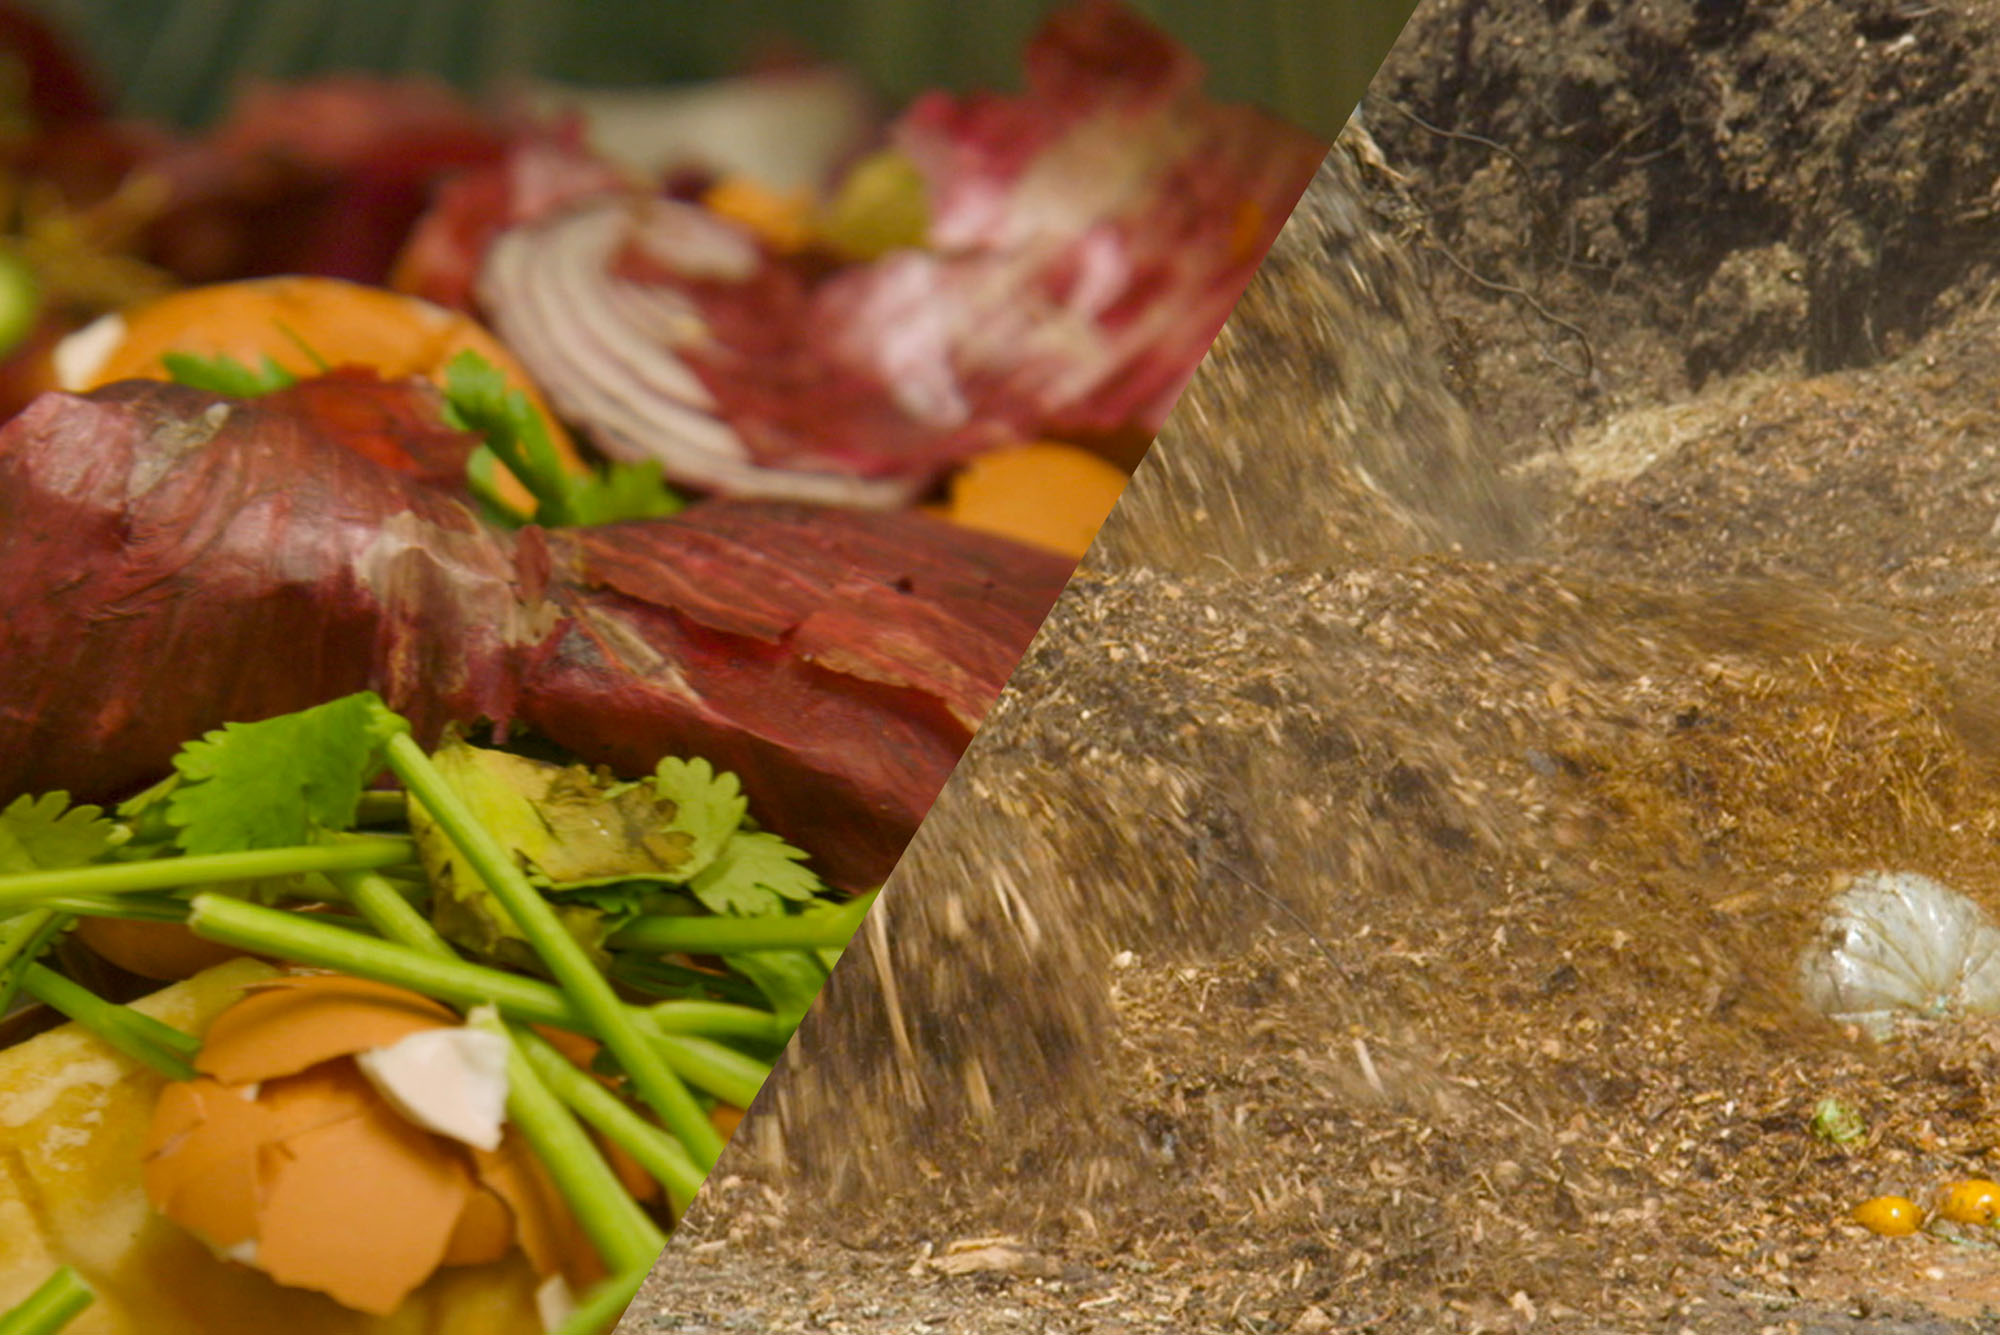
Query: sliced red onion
(605, 348)
(1087, 240)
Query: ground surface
(1474, 1009)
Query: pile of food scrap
(481, 620)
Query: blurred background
(179, 60)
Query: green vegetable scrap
(46, 833)
(1835, 1121)
(227, 375)
(41, 834)
(285, 781)
(21, 297)
(61, 1298)
(593, 882)
(604, 851)
(883, 205)
(603, 1305)
(753, 875)
(709, 808)
(478, 399)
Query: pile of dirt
(1806, 179)
(1375, 905)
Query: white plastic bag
(1896, 946)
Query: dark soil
(1374, 906)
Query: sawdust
(1374, 906)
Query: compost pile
(1397, 931)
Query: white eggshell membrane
(554, 1302)
(450, 1081)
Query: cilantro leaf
(47, 834)
(596, 847)
(708, 807)
(614, 906)
(279, 782)
(754, 875)
(226, 375)
(478, 399)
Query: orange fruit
(1891, 1216)
(1976, 1201)
(784, 220)
(305, 325)
(1046, 494)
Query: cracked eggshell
(1896, 946)
(324, 1185)
(362, 1209)
(289, 1024)
(74, 1118)
(288, 1145)
(450, 1081)
(545, 1228)
(582, 1053)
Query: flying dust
(1378, 894)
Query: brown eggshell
(544, 1226)
(201, 1164)
(361, 1209)
(484, 1232)
(288, 1024)
(161, 951)
(71, 1193)
(178, 1112)
(581, 1052)
(330, 1092)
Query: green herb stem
(179, 873)
(19, 933)
(132, 908)
(376, 899)
(688, 934)
(723, 1071)
(653, 1149)
(381, 806)
(140, 1037)
(661, 978)
(266, 931)
(618, 1226)
(590, 990)
(23, 937)
(59, 1300)
(602, 1307)
(718, 1019)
